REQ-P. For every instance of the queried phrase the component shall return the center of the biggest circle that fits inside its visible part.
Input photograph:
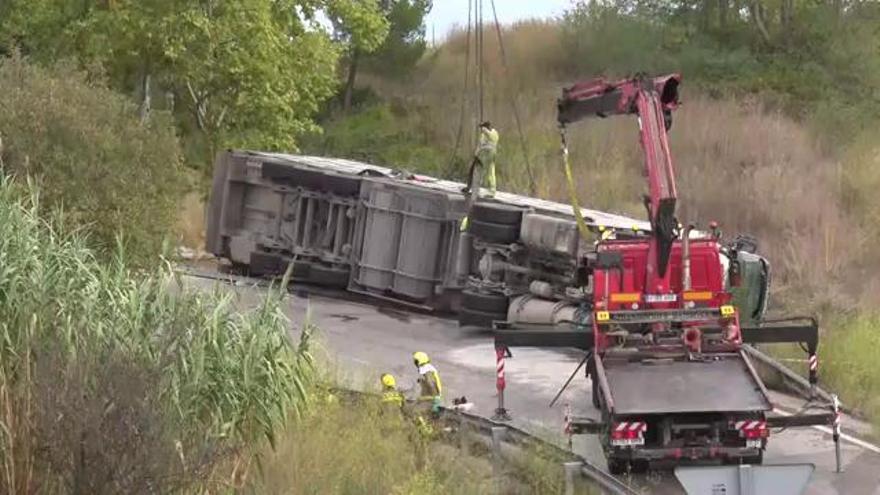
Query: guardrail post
(835, 403)
(571, 469)
(566, 428)
(501, 413)
(813, 370)
(497, 462)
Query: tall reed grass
(120, 381)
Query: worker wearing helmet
(390, 395)
(484, 156)
(605, 233)
(430, 386)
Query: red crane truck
(664, 341)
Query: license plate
(628, 442)
(753, 443)
(660, 298)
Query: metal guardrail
(607, 482)
(796, 382)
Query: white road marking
(843, 436)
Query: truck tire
(328, 276)
(490, 303)
(271, 264)
(494, 233)
(617, 466)
(476, 318)
(496, 213)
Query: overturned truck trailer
(396, 236)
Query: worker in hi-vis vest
(484, 156)
(430, 386)
(390, 395)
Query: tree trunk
(757, 13)
(349, 83)
(146, 102)
(722, 14)
(706, 15)
(786, 16)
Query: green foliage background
(94, 160)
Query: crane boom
(653, 101)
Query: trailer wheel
(476, 318)
(491, 303)
(617, 466)
(328, 276)
(496, 213)
(494, 233)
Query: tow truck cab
(620, 269)
(719, 275)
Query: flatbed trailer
(394, 235)
(662, 405)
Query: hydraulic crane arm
(653, 101)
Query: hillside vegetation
(114, 378)
(774, 138)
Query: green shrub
(92, 156)
(849, 363)
(381, 135)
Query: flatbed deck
(658, 387)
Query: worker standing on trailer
(605, 234)
(390, 395)
(484, 157)
(430, 386)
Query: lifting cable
(572, 194)
(533, 187)
(464, 88)
(479, 39)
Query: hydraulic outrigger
(664, 340)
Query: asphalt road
(362, 340)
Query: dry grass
(358, 446)
(190, 226)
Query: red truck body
(625, 287)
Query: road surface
(361, 340)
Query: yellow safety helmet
(388, 381)
(601, 228)
(420, 358)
